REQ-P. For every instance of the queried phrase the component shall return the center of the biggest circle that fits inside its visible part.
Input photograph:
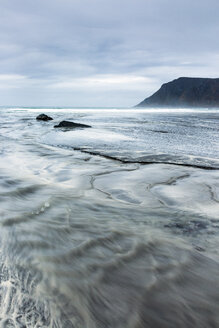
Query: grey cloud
(57, 40)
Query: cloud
(87, 52)
(11, 81)
(101, 81)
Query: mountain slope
(185, 92)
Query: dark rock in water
(44, 117)
(71, 125)
(185, 92)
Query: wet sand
(88, 241)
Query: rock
(185, 92)
(71, 125)
(44, 117)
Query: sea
(113, 226)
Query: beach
(113, 226)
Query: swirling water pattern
(115, 226)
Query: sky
(104, 53)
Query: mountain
(185, 92)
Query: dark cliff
(185, 92)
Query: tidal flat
(113, 226)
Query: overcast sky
(102, 52)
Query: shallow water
(122, 232)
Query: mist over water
(113, 226)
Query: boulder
(44, 117)
(71, 125)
